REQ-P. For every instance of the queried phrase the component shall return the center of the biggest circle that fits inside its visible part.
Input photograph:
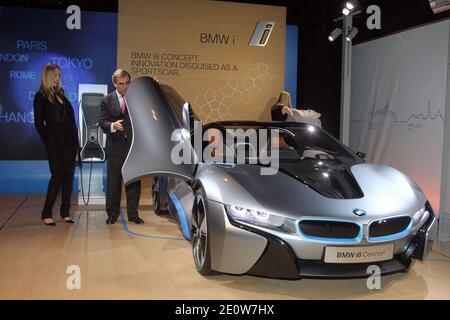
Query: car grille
(325, 229)
(384, 229)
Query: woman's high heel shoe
(50, 223)
(68, 220)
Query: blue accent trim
(125, 228)
(290, 69)
(181, 215)
(394, 236)
(225, 164)
(357, 239)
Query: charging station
(92, 184)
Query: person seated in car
(306, 116)
(283, 111)
(280, 109)
(214, 144)
(279, 142)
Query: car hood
(331, 178)
(385, 191)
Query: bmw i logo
(359, 212)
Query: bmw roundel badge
(359, 212)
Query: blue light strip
(394, 236)
(125, 228)
(181, 215)
(290, 62)
(357, 239)
(226, 165)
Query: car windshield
(290, 142)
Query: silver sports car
(275, 199)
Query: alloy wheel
(200, 233)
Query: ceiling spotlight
(352, 34)
(334, 34)
(349, 5)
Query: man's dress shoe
(136, 220)
(111, 220)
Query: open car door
(157, 132)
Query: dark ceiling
(316, 15)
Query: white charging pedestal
(94, 193)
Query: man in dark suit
(115, 122)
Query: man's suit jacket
(117, 142)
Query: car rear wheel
(200, 240)
(156, 197)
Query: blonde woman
(55, 122)
(282, 109)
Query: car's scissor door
(158, 135)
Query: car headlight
(254, 216)
(420, 214)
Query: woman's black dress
(55, 123)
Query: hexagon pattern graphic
(216, 105)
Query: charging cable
(80, 163)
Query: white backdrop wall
(398, 103)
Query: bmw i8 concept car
(324, 211)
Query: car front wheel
(200, 240)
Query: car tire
(156, 198)
(201, 250)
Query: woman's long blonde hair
(47, 87)
(285, 99)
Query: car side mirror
(362, 155)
